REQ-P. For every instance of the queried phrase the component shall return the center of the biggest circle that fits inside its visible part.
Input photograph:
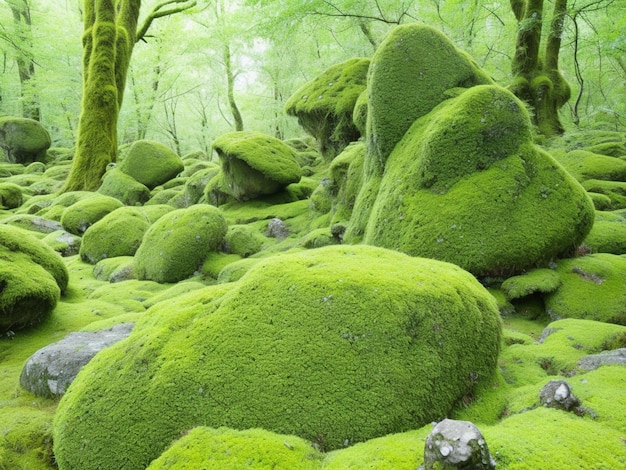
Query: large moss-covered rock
(119, 233)
(151, 163)
(467, 185)
(175, 246)
(117, 184)
(410, 73)
(255, 164)
(81, 215)
(23, 140)
(324, 106)
(334, 345)
(32, 277)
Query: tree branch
(159, 12)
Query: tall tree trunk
(537, 79)
(230, 78)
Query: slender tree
(110, 33)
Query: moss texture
(585, 165)
(408, 76)
(119, 233)
(345, 343)
(151, 163)
(537, 280)
(324, 106)
(81, 215)
(475, 150)
(614, 190)
(255, 164)
(175, 246)
(11, 196)
(23, 140)
(117, 184)
(608, 234)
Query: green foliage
(175, 246)
(81, 215)
(343, 343)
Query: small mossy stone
(117, 184)
(324, 106)
(23, 140)
(255, 164)
(536, 280)
(119, 233)
(151, 163)
(64, 243)
(593, 288)
(175, 246)
(408, 76)
(11, 196)
(329, 344)
(15, 239)
(81, 215)
(112, 269)
(229, 449)
(243, 240)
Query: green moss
(243, 240)
(216, 263)
(615, 190)
(228, 449)
(585, 165)
(194, 187)
(344, 343)
(409, 75)
(62, 242)
(325, 105)
(318, 238)
(537, 280)
(151, 163)
(176, 245)
(26, 439)
(610, 149)
(593, 287)
(130, 294)
(608, 234)
(235, 270)
(531, 210)
(601, 202)
(10, 196)
(119, 185)
(23, 140)
(254, 164)
(78, 217)
(359, 115)
(346, 178)
(110, 269)
(174, 291)
(119, 233)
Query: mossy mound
(324, 106)
(23, 140)
(175, 246)
(117, 184)
(409, 75)
(585, 165)
(32, 277)
(614, 190)
(333, 345)
(151, 163)
(346, 177)
(243, 240)
(119, 233)
(537, 280)
(475, 151)
(228, 449)
(608, 234)
(593, 288)
(255, 164)
(11, 196)
(81, 215)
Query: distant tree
(110, 33)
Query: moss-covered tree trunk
(537, 79)
(230, 78)
(109, 36)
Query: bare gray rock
(605, 358)
(558, 394)
(49, 371)
(456, 444)
(276, 228)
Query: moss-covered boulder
(410, 73)
(608, 234)
(23, 140)
(335, 345)
(81, 215)
(117, 184)
(584, 165)
(119, 233)
(324, 106)
(151, 163)
(467, 185)
(32, 277)
(11, 196)
(255, 164)
(175, 246)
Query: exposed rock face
(336, 343)
(606, 358)
(23, 140)
(276, 228)
(456, 444)
(49, 371)
(558, 394)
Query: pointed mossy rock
(81, 215)
(467, 185)
(593, 288)
(151, 163)
(32, 277)
(117, 184)
(119, 233)
(254, 164)
(332, 344)
(325, 106)
(176, 245)
(409, 75)
(23, 140)
(229, 449)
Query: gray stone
(49, 371)
(456, 444)
(605, 358)
(558, 394)
(276, 228)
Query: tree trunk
(230, 77)
(537, 79)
